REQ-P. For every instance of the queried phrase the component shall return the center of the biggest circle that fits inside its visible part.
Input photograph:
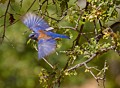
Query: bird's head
(34, 36)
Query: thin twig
(51, 17)
(77, 23)
(5, 21)
(12, 8)
(46, 7)
(2, 16)
(48, 63)
(95, 28)
(61, 18)
(31, 5)
(64, 14)
(104, 75)
(100, 24)
(68, 28)
(91, 73)
(76, 41)
(42, 4)
(58, 20)
(21, 2)
(1, 25)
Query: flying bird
(42, 34)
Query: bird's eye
(33, 36)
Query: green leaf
(28, 41)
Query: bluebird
(42, 34)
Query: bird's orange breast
(43, 35)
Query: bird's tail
(54, 35)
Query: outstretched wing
(46, 47)
(35, 23)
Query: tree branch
(91, 58)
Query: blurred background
(19, 64)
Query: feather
(34, 22)
(46, 47)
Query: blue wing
(46, 47)
(35, 23)
(54, 35)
